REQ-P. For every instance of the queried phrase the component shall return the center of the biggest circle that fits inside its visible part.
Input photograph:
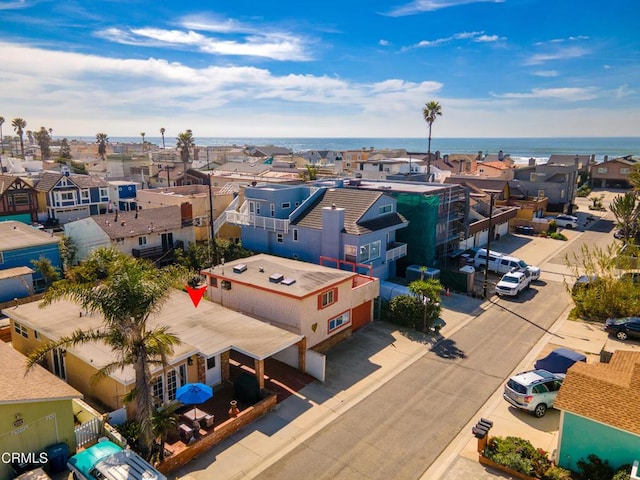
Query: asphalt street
(399, 430)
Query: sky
(349, 68)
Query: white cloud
(546, 73)
(275, 46)
(384, 43)
(473, 36)
(623, 91)
(568, 93)
(420, 6)
(14, 5)
(560, 54)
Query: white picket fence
(88, 432)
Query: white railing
(266, 223)
(88, 432)
(397, 252)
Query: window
(272, 209)
(328, 298)
(226, 285)
(602, 169)
(211, 363)
(172, 384)
(350, 253)
(20, 329)
(213, 281)
(279, 237)
(541, 388)
(385, 209)
(19, 199)
(364, 253)
(339, 321)
(625, 170)
(286, 205)
(1, 258)
(84, 194)
(374, 251)
(142, 241)
(104, 193)
(157, 389)
(294, 233)
(36, 334)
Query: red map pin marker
(196, 294)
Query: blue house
(333, 226)
(72, 197)
(19, 244)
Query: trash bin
(58, 455)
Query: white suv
(513, 283)
(533, 391)
(566, 221)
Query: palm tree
(126, 291)
(101, 140)
(626, 209)
(142, 134)
(162, 130)
(1, 135)
(185, 142)
(43, 138)
(18, 125)
(430, 111)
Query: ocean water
(520, 149)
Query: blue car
(108, 461)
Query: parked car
(623, 328)
(513, 283)
(107, 461)
(583, 282)
(566, 221)
(510, 264)
(533, 391)
(481, 258)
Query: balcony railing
(396, 251)
(266, 223)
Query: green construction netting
(420, 235)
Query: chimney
(532, 162)
(332, 227)
(500, 156)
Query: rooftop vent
(288, 281)
(276, 278)
(242, 267)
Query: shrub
(558, 236)
(623, 473)
(557, 473)
(594, 469)
(519, 455)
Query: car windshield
(509, 279)
(522, 264)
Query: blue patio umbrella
(194, 393)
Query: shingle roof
(598, 391)
(355, 202)
(47, 181)
(36, 385)
(132, 224)
(5, 182)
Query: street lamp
(486, 266)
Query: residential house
(18, 200)
(35, 409)
(195, 203)
(309, 223)
(436, 214)
(123, 195)
(600, 411)
(613, 173)
(151, 233)
(19, 245)
(266, 151)
(63, 197)
(557, 182)
(322, 157)
(322, 304)
(209, 333)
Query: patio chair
(186, 433)
(208, 421)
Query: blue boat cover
(559, 360)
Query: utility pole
(214, 260)
(486, 266)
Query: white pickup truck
(513, 283)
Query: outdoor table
(194, 414)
